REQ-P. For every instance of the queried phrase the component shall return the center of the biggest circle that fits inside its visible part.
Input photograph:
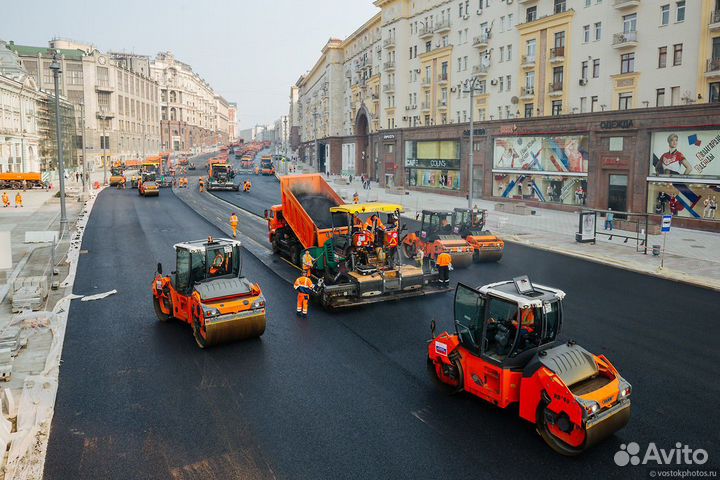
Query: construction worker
(5, 200)
(373, 223)
(444, 263)
(304, 286)
(202, 184)
(18, 200)
(234, 224)
(307, 262)
(356, 198)
(247, 186)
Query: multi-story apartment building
(115, 100)
(191, 112)
(232, 121)
(577, 101)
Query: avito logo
(680, 455)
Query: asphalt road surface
(347, 394)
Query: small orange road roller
(208, 292)
(504, 350)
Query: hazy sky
(249, 51)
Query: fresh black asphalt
(346, 394)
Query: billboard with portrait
(689, 153)
(552, 154)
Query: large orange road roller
(504, 350)
(435, 237)
(208, 292)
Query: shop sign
(389, 136)
(615, 124)
(476, 132)
(508, 129)
(427, 163)
(614, 161)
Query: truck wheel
(275, 244)
(162, 316)
(295, 255)
(553, 442)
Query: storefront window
(433, 164)
(541, 188)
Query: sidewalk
(691, 256)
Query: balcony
(527, 93)
(555, 88)
(557, 55)
(104, 86)
(427, 82)
(442, 78)
(442, 26)
(105, 115)
(525, 1)
(713, 68)
(425, 31)
(389, 65)
(480, 70)
(425, 106)
(442, 104)
(481, 41)
(623, 4)
(625, 40)
(389, 42)
(388, 88)
(714, 20)
(527, 61)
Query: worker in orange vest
(444, 263)
(247, 186)
(18, 200)
(356, 198)
(234, 224)
(304, 286)
(202, 184)
(5, 200)
(307, 261)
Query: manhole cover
(83, 252)
(697, 246)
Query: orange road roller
(208, 291)
(505, 351)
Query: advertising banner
(692, 153)
(553, 154)
(432, 154)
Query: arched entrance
(361, 142)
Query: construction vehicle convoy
(435, 237)
(470, 225)
(247, 165)
(354, 254)
(505, 351)
(208, 292)
(221, 177)
(267, 167)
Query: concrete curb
(665, 274)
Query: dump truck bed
(306, 202)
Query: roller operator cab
(470, 225)
(208, 291)
(148, 185)
(505, 351)
(435, 237)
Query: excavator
(208, 291)
(470, 225)
(505, 350)
(435, 237)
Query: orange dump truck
(16, 179)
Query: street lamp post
(84, 151)
(471, 86)
(56, 69)
(104, 148)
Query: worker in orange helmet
(5, 199)
(247, 186)
(234, 224)
(444, 263)
(18, 200)
(304, 286)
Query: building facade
(575, 102)
(115, 100)
(232, 121)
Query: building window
(559, 39)
(596, 68)
(586, 33)
(583, 104)
(664, 14)
(556, 107)
(509, 53)
(529, 110)
(630, 23)
(531, 49)
(509, 79)
(625, 101)
(627, 63)
(677, 54)
(662, 57)
(598, 31)
(714, 93)
(584, 70)
(531, 14)
(502, 54)
(680, 17)
(103, 99)
(558, 76)
(593, 103)
(660, 97)
(560, 6)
